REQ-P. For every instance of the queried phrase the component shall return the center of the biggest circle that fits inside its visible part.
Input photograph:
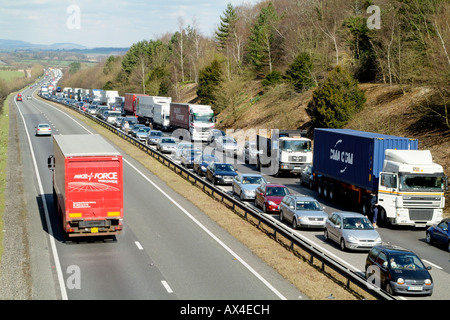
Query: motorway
(168, 250)
(183, 266)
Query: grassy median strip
(306, 277)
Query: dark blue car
(220, 173)
(202, 162)
(439, 233)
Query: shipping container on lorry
(284, 151)
(363, 167)
(197, 119)
(129, 107)
(87, 185)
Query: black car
(220, 173)
(398, 271)
(439, 233)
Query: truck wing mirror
(51, 162)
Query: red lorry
(87, 185)
(19, 97)
(129, 107)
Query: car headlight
(218, 176)
(428, 282)
(271, 203)
(352, 239)
(400, 281)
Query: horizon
(117, 23)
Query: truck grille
(420, 214)
(421, 201)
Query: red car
(268, 196)
(19, 97)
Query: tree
(299, 73)
(209, 79)
(226, 28)
(336, 100)
(262, 38)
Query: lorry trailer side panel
(354, 157)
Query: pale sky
(106, 23)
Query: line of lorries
(372, 171)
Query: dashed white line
(166, 286)
(137, 243)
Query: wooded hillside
(296, 45)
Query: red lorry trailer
(129, 107)
(87, 185)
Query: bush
(272, 78)
(336, 100)
(299, 73)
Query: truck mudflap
(80, 228)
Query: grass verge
(4, 134)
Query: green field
(8, 75)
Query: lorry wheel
(331, 191)
(320, 189)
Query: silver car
(227, 145)
(154, 136)
(179, 149)
(166, 145)
(302, 211)
(351, 231)
(245, 184)
(141, 134)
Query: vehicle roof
(73, 145)
(301, 197)
(349, 214)
(390, 248)
(251, 175)
(275, 185)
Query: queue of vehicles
(407, 186)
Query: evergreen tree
(209, 80)
(299, 72)
(260, 51)
(336, 100)
(226, 27)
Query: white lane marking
(434, 265)
(166, 286)
(194, 220)
(256, 274)
(138, 244)
(47, 219)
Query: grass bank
(4, 135)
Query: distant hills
(18, 45)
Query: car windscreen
(276, 191)
(357, 223)
(253, 180)
(307, 205)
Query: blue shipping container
(354, 157)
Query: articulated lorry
(197, 119)
(129, 107)
(283, 151)
(161, 113)
(151, 108)
(368, 168)
(87, 185)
